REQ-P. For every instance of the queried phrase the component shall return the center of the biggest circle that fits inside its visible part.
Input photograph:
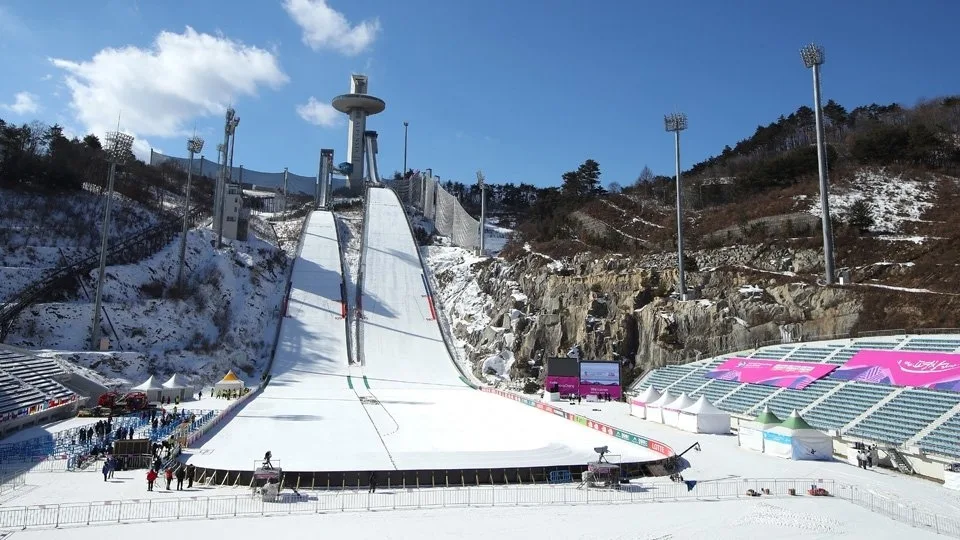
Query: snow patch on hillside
(226, 320)
(894, 199)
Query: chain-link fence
(424, 192)
(389, 498)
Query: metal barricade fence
(79, 514)
(896, 510)
(450, 219)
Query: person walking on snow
(168, 475)
(191, 472)
(105, 470)
(151, 478)
(373, 482)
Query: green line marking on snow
(349, 382)
(366, 382)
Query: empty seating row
(785, 402)
(905, 415)
(809, 354)
(690, 383)
(944, 439)
(663, 377)
(715, 390)
(931, 344)
(746, 398)
(846, 404)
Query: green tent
(796, 422)
(767, 418)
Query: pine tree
(861, 215)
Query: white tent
(796, 439)
(750, 434)
(151, 388)
(655, 409)
(703, 417)
(638, 405)
(671, 411)
(177, 387)
(229, 382)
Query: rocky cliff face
(512, 314)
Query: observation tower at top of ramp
(357, 105)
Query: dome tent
(655, 409)
(177, 387)
(671, 411)
(638, 405)
(151, 388)
(750, 434)
(229, 382)
(795, 439)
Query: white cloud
(23, 103)
(157, 91)
(319, 113)
(325, 28)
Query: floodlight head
(601, 449)
(119, 144)
(812, 55)
(405, 124)
(230, 113)
(195, 144)
(675, 122)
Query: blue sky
(522, 89)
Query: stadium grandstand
(31, 391)
(921, 424)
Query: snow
(894, 199)
(240, 286)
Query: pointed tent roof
(649, 395)
(665, 398)
(704, 407)
(177, 381)
(682, 402)
(767, 417)
(796, 422)
(230, 377)
(149, 384)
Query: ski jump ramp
(402, 408)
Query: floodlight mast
(194, 146)
(229, 135)
(813, 57)
(119, 145)
(675, 123)
(481, 181)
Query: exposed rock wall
(620, 308)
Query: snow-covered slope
(894, 199)
(225, 320)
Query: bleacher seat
(905, 415)
(944, 439)
(746, 398)
(846, 404)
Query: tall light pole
(119, 145)
(194, 146)
(405, 126)
(676, 123)
(285, 174)
(229, 137)
(481, 181)
(813, 57)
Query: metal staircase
(898, 461)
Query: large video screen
(600, 373)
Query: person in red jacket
(151, 478)
(168, 474)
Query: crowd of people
(178, 470)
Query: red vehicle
(131, 401)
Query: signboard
(600, 378)
(796, 375)
(565, 385)
(938, 371)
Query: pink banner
(939, 371)
(797, 375)
(567, 386)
